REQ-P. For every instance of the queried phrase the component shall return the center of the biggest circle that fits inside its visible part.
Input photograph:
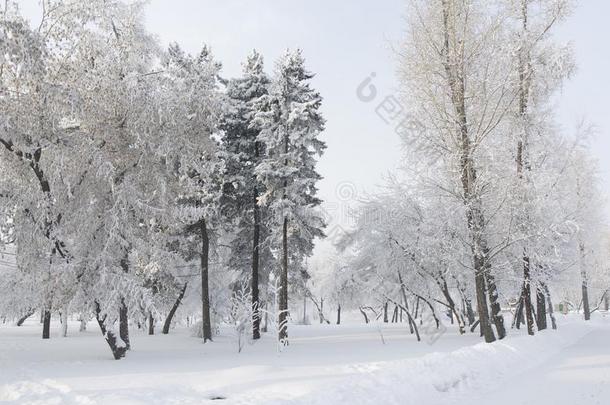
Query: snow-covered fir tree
(242, 152)
(290, 124)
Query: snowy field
(325, 364)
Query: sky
(585, 96)
(344, 42)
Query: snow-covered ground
(325, 364)
(578, 374)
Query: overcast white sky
(344, 41)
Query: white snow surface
(324, 364)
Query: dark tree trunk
(484, 321)
(585, 287)
(518, 320)
(46, 324)
(24, 317)
(432, 311)
(283, 302)
(366, 318)
(172, 312)
(494, 302)
(123, 311)
(256, 314)
(256, 320)
(124, 324)
(527, 296)
(549, 304)
(452, 309)
(412, 324)
(206, 322)
(117, 351)
(321, 312)
(469, 311)
(339, 314)
(151, 324)
(395, 314)
(385, 312)
(473, 327)
(540, 309)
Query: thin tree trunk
(366, 318)
(172, 311)
(518, 319)
(466, 304)
(304, 309)
(206, 322)
(452, 309)
(432, 311)
(339, 314)
(474, 326)
(403, 291)
(321, 311)
(411, 320)
(283, 301)
(256, 321)
(395, 314)
(585, 282)
(24, 317)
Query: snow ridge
(443, 378)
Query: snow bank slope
(441, 378)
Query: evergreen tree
(290, 123)
(242, 152)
